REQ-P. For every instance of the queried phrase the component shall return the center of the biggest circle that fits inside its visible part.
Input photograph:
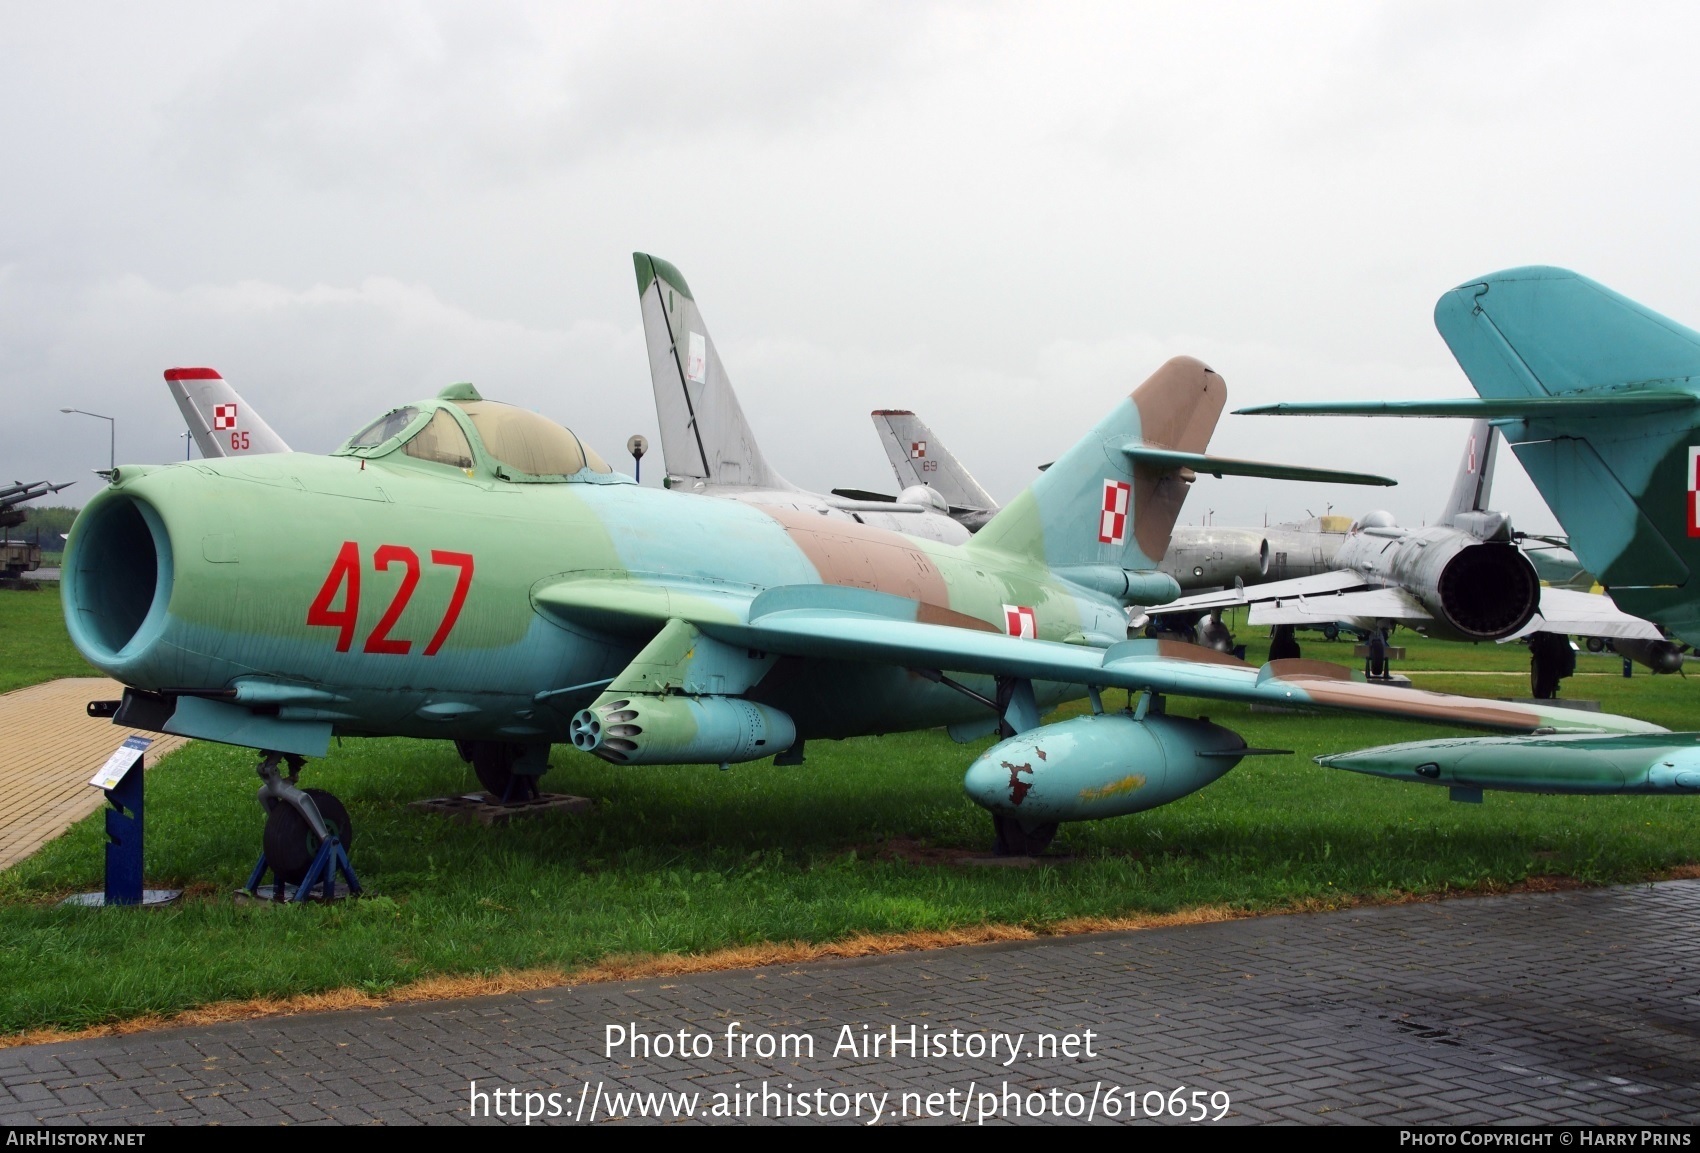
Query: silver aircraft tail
(918, 458)
(705, 439)
(1467, 508)
(222, 423)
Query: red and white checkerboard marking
(1020, 621)
(1112, 525)
(1694, 491)
(224, 416)
(917, 449)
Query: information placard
(120, 762)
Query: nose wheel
(290, 843)
(306, 838)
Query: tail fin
(917, 457)
(1623, 486)
(1473, 487)
(1095, 505)
(704, 436)
(1531, 332)
(222, 423)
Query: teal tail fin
(1531, 332)
(1623, 485)
(1095, 506)
(704, 437)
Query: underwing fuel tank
(651, 729)
(1654, 763)
(1100, 766)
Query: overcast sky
(1001, 216)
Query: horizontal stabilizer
(1318, 584)
(1576, 613)
(1634, 402)
(1389, 604)
(1219, 466)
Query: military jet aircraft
(1198, 557)
(1461, 578)
(221, 423)
(1599, 397)
(468, 570)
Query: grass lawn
(867, 837)
(34, 646)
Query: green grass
(862, 838)
(34, 646)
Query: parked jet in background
(1600, 399)
(1461, 578)
(706, 444)
(222, 423)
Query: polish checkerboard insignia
(917, 449)
(1694, 491)
(1112, 524)
(1020, 621)
(224, 416)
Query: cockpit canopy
(462, 429)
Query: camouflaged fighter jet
(1599, 397)
(468, 570)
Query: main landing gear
(508, 770)
(1015, 841)
(307, 836)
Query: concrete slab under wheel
(484, 809)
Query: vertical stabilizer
(221, 422)
(1473, 487)
(917, 457)
(1624, 487)
(704, 436)
(1094, 506)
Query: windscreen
(528, 443)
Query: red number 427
(346, 571)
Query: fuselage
(400, 596)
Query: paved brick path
(1573, 1007)
(51, 749)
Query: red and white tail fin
(222, 423)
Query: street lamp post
(112, 445)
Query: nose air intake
(117, 579)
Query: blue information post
(121, 778)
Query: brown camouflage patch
(1178, 408)
(847, 553)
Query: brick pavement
(51, 749)
(1579, 1007)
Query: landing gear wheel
(1015, 841)
(289, 841)
(493, 762)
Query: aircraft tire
(493, 763)
(1015, 841)
(289, 841)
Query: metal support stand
(322, 873)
